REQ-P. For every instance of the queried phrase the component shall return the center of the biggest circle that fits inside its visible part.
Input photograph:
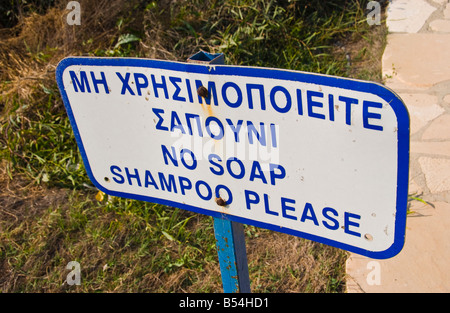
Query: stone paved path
(416, 65)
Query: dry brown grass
(296, 264)
(30, 52)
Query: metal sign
(316, 156)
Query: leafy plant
(126, 38)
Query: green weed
(37, 140)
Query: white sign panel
(320, 157)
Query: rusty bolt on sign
(202, 92)
(221, 202)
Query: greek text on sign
(320, 157)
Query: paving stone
(422, 265)
(447, 98)
(447, 11)
(416, 60)
(439, 129)
(431, 147)
(413, 187)
(440, 2)
(442, 26)
(407, 16)
(437, 173)
(422, 108)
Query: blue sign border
(357, 85)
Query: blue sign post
(230, 241)
(230, 237)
